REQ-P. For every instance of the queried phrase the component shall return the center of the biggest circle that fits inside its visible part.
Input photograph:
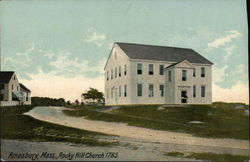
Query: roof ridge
(6, 71)
(153, 45)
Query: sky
(59, 48)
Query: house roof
(161, 53)
(5, 76)
(24, 88)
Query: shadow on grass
(14, 125)
(220, 120)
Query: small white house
(12, 92)
(147, 74)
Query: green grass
(175, 154)
(209, 156)
(221, 120)
(218, 157)
(14, 125)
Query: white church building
(148, 74)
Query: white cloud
(229, 51)
(223, 40)
(22, 59)
(241, 71)
(26, 54)
(237, 93)
(49, 85)
(48, 54)
(65, 63)
(219, 73)
(93, 37)
(110, 45)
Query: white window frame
(120, 91)
(141, 92)
(139, 69)
(115, 72)
(194, 91)
(107, 75)
(169, 76)
(125, 69)
(161, 70)
(161, 88)
(150, 91)
(125, 91)
(150, 69)
(112, 74)
(120, 71)
(184, 75)
(203, 72)
(203, 86)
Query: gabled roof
(161, 53)
(5, 76)
(174, 64)
(24, 88)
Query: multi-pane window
(203, 91)
(125, 90)
(120, 91)
(139, 68)
(151, 69)
(184, 75)
(107, 75)
(120, 71)
(125, 69)
(139, 90)
(112, 74)
(194, 72)
(194, 91)
(115, 72)
(150, 90)
(202, 72)
(1, 86)
(1, 97)
(161, 69)
(169, 76)
(162, 90)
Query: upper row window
(115, 71)
(1, 86)
(161, 72)
(202, 72)
(184, 75)
(150, 69)
(139, 68)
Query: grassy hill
(14, 125)
(220, 120)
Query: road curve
(55, 115)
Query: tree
(77, 102)
(46, 101)
(93, 94)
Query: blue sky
(69, 41)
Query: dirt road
(55, 115)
